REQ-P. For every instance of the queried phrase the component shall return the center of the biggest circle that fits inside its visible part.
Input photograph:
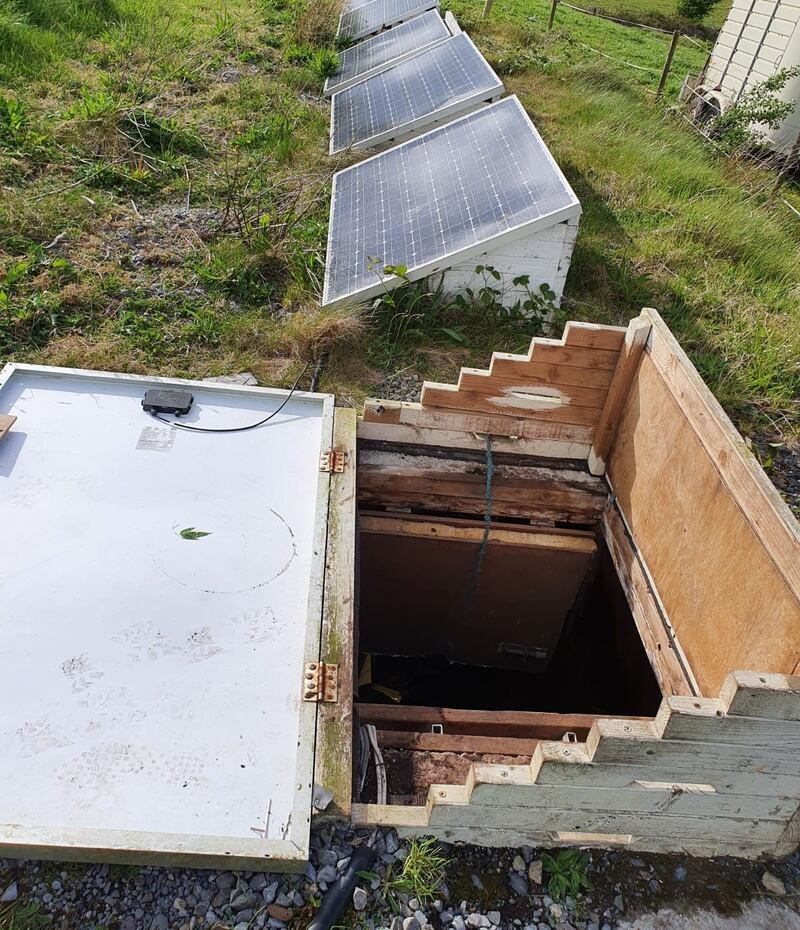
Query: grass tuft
(420, 876)
(566, 873)
(19, 916)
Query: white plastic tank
(759, 38)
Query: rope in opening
(487, 525)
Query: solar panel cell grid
(436, 196)
(367, 57)
(449, 77)
(373, 16)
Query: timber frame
(708, 555)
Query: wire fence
(615, 19)
(664, 71)
(676, 36)
(781, 164)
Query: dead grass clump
(305, 333)
(315, 22)
(98, 353)
(312, 330)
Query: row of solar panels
(456, 191)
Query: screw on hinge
(321, 682)
(332, 461)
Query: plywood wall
(721, 547)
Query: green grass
(629, 57)
(35, 33)
(19, 916)
(117, 113)
(420, 876)
(656, 12)
(566, 873)
(666, 222)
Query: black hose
(317, 374)
(340, 893)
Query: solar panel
(381, 51)
(444, 81)
(371, 17)
(442, 198)
(354, 5)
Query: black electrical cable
(317, 373)
(234, 429)
(340, 893)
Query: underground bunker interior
(515, 628)
(477, 638)
(472, 653)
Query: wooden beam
(390, 815)
(506, 424)
(457, 483)
(704, 720)
(523, 402)
(635, 340)
(761, 694)
(473, 534)
(476, 522)
(629, 743)
(454, 742)
(334, 756)
(514, 723)
(660, 645)
(594, 335)
(556, 763)
(460, 439)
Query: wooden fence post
(553, 6)
(668, 63)
(487, 8)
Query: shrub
(738, 129)
(13, 121)
(696, 10)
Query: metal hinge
(321, 682)
(332, 461)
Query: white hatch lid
(150, 697)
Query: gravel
(782, 462)
(400, 386)
(360, 899)
(10, 894)
(486, 889)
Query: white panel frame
(388, 282)
(445, 114)
(452, 23)
(136, 847)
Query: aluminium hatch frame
(197, 850)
